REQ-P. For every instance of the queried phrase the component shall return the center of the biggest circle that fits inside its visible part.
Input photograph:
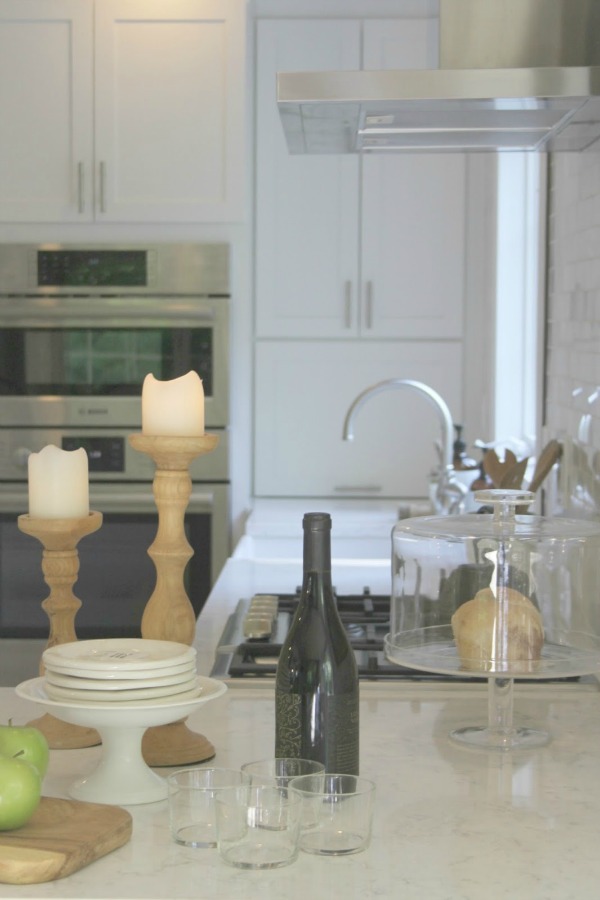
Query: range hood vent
(515, 75)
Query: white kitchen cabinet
(46, 124)
(157, 134)
(303, 391)
(169, 98)
(413, 213)
(350, 246)
(306, 206)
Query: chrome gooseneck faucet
(448, 493)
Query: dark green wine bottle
(316, 687)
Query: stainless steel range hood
(514, 75)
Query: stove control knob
(257, 627)
(261, 616)
(20, 457)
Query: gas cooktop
(252, 638)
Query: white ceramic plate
(121, 674)
(79, 698)
(149, 693)
(117, 654)
(142, 680)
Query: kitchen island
(450, 823)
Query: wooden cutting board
(61, 837)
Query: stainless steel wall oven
(80, 327)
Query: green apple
(28, 742)
(20, 791)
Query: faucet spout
(449, 492)
(438, 403)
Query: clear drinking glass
(337, 813)
(258, 826)
(192, 794)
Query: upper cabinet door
(306, 206)
(350, 246)
(45, 110)
(414, 210)
(169, 96)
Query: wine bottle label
(334, 742)
(288, 736)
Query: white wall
(572, 408)
(573, 316)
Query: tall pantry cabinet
(121, 110)
(360, 276)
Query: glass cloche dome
(503, 595)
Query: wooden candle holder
(60, 565)
(169, 614)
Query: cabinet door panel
(303, 391)
(169, 109)
(45, 110)
(413, 225)
(307, 206)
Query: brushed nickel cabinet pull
(102, 187)
(357, 488)
(80, 188)
(369, 304)
(348, 304)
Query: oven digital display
(105, 454)
(92, 268)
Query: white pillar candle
(173, 407)
(58, 483)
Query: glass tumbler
(258, 826)
(337, 813)
(192, 794)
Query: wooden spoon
(497, 469)
(551, 453)
(513, 478)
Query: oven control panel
(91, 268)
(111, 458)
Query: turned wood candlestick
(60, 566)
(169, 614)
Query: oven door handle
(118, 311)
(143, 502)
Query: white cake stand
(122, 776)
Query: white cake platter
(122, 776)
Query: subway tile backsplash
(573, 315)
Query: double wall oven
(80, 327)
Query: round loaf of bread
(502, 632)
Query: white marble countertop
(360, 528)
(450, 823)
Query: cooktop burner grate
(365, 616)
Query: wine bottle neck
(317, 552)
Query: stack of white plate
(120, 670)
